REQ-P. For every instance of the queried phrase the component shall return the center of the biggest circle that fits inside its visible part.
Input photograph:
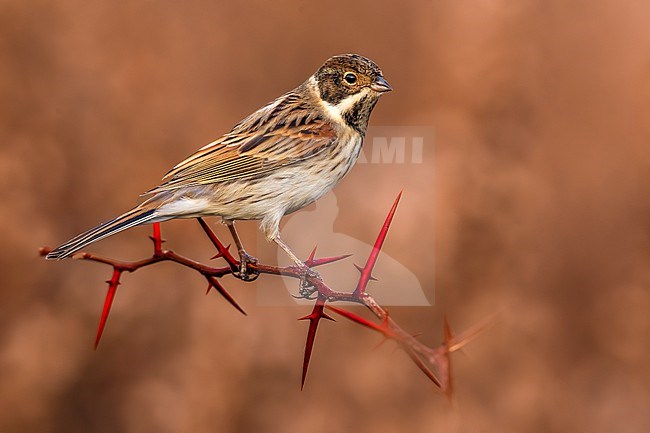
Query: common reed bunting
(276, 161)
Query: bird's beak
(381, 85)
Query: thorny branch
(434, 362)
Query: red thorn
(381, 343)
(223, 292)
(382, 328)
(108, 302)
(220, 254)
(360, 269)
(310, 260)
(459, 341)
(207, 292)
(157, 239)
(314, 317)
(422, 366)
(326, 260)
(223, 250)
(449, 338)
(323, 315)
(366, 272)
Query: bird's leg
(305, 288)
(244, 258)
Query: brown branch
(434, 362)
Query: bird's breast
(343, 154)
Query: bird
(281, 158)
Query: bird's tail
(134, 217)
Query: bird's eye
(350, 78)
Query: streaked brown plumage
(279, 159)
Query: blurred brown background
(539, 210)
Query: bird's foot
(306, 291)
(245, 273)
(307, 288)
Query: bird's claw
(245, 273)
(310, 274)
(307, 288)
(306, 295)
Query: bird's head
(349, 86)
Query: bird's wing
(259, 144)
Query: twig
(433, 361)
